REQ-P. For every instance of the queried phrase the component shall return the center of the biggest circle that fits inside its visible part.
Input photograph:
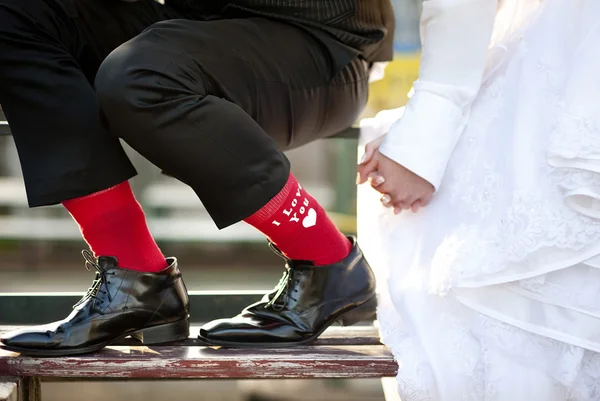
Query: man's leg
(47, 60)
(48, 56)
(213, 103)
(51, 106)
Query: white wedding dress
(492, 292)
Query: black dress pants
(214, 103)
(211, 102)
(50, 51)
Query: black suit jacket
(364, 25)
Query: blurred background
(40, 248)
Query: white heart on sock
(310, 219)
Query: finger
(386, 200)
(415, 206)
(399, 198)
(407, 201)
(385, 188)
(424, 201)
(403, 206)
(407, 204)
(370, 149)
(376, 179)
(365, 169)
(399, 205)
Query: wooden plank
(164, 229)
(333, 336)
(12, 191)
(31, 389)
(180, 362)
(175, 196)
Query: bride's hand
(402, 188)
(372, 176)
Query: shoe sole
(164, 333)
(362, 312)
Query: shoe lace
(101, 278)
(283, 290)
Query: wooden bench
(339, 353)
(353, 352)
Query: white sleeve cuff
(425, 137)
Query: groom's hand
(401, 188)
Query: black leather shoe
(307, 300)
(151, 307)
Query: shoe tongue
(292, 263)
(107, 262)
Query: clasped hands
(401, 188)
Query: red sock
(299, 226)
(113, 223)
